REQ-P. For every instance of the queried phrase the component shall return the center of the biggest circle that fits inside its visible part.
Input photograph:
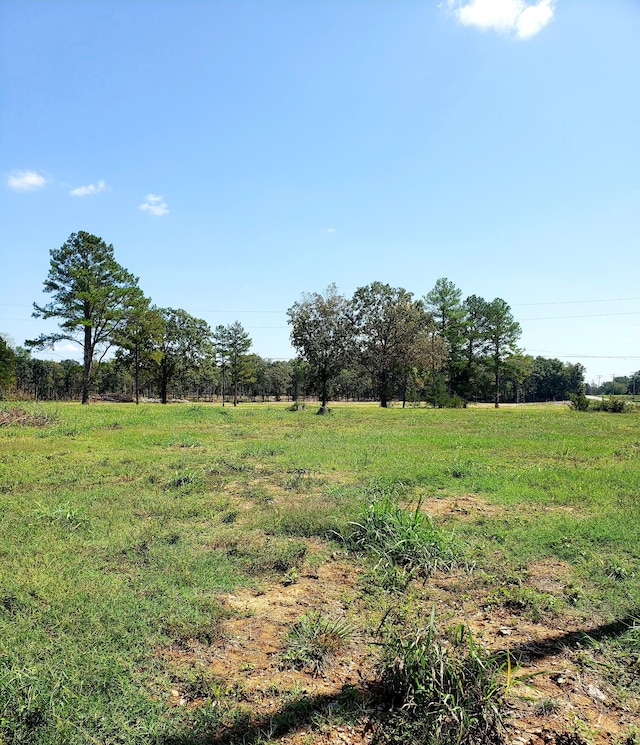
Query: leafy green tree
(574, 374)
(7, 365)
(518, 368)
(92, 297)
(501, 332)
(139, 341)
(184, 346)
(322, 334)
(278, 375)
(388, 323)
(70, 379)
(299, 378)
(428, 357)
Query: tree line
(382, 343)
(440, 348)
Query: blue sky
(237, 154)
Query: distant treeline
(381, 344)
(269, 380)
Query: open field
(193, 574)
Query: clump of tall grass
(314, 640)
(399, 537)
(439, 691)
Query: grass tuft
(408, 539)
(314, 641)
(439, 692)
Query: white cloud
(331, 230)
(534, 18)
(524, 19)
(85, 191)
(26, 180)
(155, 205)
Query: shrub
(579, 402)
(611, 405)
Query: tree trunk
(164, 383)
(136, 375)
(88, 359)
(324, 396)
(383, 390)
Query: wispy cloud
(330, 230)
(524, 19)
(85, 191)
(155, 205)
(26, 180)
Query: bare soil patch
(552, 697)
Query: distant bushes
(611, 404)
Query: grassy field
(125, 530)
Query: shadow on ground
(301, 712)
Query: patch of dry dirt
(552, 698)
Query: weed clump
(401, 538)
(617, 658)
(314, 641)
(439, 691)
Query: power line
(578, 302)
(586, 356)
(588, 315)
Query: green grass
(120, 526)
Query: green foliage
(394, 535)
(579, 402)
(231, 344)
(612, 405)
(92, 296)
(322, 334)
(258, 553)
(7, 366)
(185, 345)
(439, 690)
(393, 334)
(618, 657)
(523, 600)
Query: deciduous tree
(7, 365)
(388, 323)
(322, 334)
(185, 344)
